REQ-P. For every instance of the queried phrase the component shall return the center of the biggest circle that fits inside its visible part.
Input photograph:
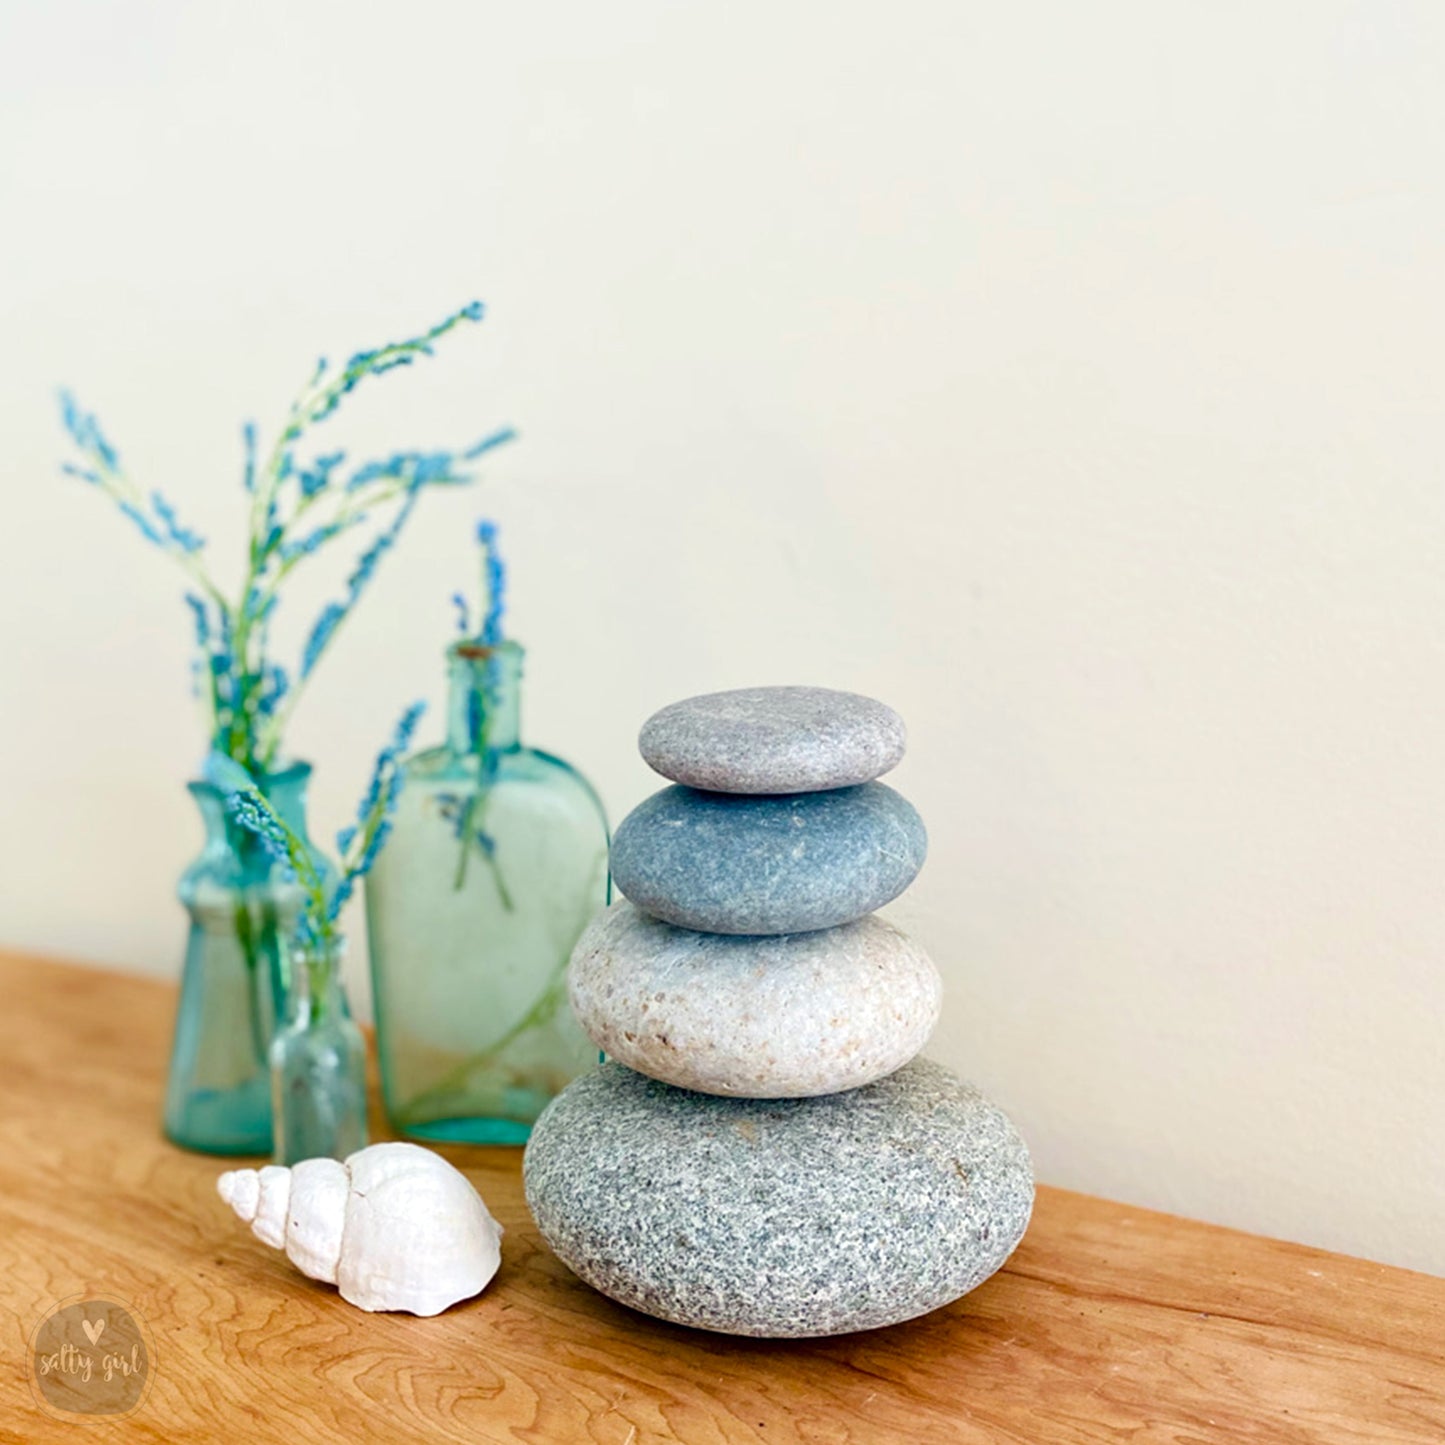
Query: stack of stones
(764, 1154)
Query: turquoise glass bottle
(235, 982)
(496, 861)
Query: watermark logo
(91, 1357)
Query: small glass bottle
(496, 861)
(318, 1063)
(234, 986)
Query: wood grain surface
(1110, 1323)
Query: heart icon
(93, 1331)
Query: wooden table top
(1110, 1323)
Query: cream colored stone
(782, 1016)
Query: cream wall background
(1069, 376)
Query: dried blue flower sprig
(483, 699)
(493, 605)
(297, 508)
(358, 844)
(494, 585)
(491, 609)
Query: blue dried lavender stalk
(470, 816)
(297, 509)
(358, 845)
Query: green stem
(543, 1008)
(479, 801)
(464, 832)
(250, 951)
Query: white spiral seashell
(394, 1227)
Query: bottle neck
(315, 992)
(484, 705)
(284, 789)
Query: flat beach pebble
(779, 1218)
(757, 1017)
(773, 740)
(726, 863)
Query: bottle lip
(332, 950)
(469, 651)
(288, 770)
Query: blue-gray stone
(773, 740)
(727, 863)
(779, 1218)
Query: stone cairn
(764, 1154)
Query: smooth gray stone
(724, 863)
(760, 1018)
(779, 1218)
(773, 740)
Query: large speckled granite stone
(779, 1218)
(773, 740)
(725, 863)
(761, 1018)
